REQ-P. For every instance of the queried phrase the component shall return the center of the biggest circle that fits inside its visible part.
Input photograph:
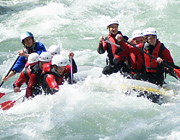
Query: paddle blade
(7, 105)
(177, 72)
(1, 94)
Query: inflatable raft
(130, 86)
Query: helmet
(54, 49)
(137, 33)
(59, 61)
(112, 21)
(33, 57)
(45, 57)
(150, 31)
(25, 35)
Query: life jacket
(47, 69)
(151, 66)
(112, 48)
(24, 76)
(135, 61)
(31, 49)
(27, 73)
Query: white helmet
(33, 57)
(45, 57)
(112, 21)
(137, 33)
(59, 61)
(150, 31)
(54, 49)
(25, 35)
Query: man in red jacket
(113, 64)
(154, 70)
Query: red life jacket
(122, 56)
(47, 69)
(150, 64)
(135, 62)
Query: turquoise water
(94, 109)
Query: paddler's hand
(22, 53)
(131, 40)
(4, 78)
(16, 89)
(159, 60)
(71, 54)
(119, 37)
(101, 39)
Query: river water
(95, 108)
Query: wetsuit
(30, 76)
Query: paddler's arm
(128, 48)
(22, 53)
(102, 45)
(11, 73)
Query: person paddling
(154, 71)
(55, 74)
(30, 76)
(113, 64)
(135, 61)
(28, 41)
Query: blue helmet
(25, 35)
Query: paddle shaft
(13, 91)
(9, 71)
(141, 51)
(165, 64)
(71, 70)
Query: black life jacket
(45, 74)
(31, 49)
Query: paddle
(8, 104)
(9, 70)
(71, 70)
(2, 93)
(176, 71)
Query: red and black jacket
(111, 49)
(150, 65)
(135, 62)
(30, 76)
(50, 79)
